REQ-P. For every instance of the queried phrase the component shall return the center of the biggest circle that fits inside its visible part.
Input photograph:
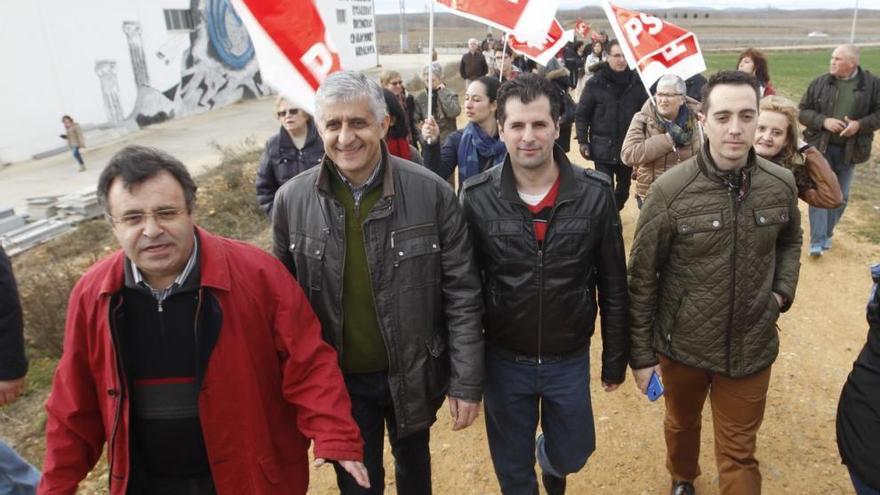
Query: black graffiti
(364, 50)
(361, 38)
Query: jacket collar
(712, 172)
(567, 186)
(213, 266)
(285, 141)
(322, 182)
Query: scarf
(681, 129)
(475, 147)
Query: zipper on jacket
(735, 203)
(540, 269)
(120, 394)
(199, 298)
(540, 272)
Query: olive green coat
(704, 266)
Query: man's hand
(852, 127)
(643, 376)
(356, 469)
(834, 125)
(10, 390)
(610, 387)
(430, 130)
(585, 151)
(780, 300)
(463, 413)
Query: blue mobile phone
(655, 387)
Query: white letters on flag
(554, 39)
(292, 46)
(653, 46)
(528, 20)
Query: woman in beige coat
(661, 138)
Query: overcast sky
(393, 6)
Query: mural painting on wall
(218, 67)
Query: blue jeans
(515, 393)
(822, 221)
(860, 486)
(17, 477)
(77, 156)
(372, 409)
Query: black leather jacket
(424, 278)
(542, 301)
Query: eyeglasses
(667, 95)
(162, 217)
(290, 111)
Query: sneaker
(826, 245)
(815, 251)
(683, 488)
(553, 485)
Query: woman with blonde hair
(777, 138)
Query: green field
(792, 71)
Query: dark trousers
(515, 395)
(564, 139)
(621, 176)
(372, 409)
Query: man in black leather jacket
(606, 108)
(548, 240)
(381, 248)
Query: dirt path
(821, 336)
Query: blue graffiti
(227, 34)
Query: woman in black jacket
(296, 147)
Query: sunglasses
(290, 111)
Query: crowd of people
(206, 365)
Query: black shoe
(553, 485)
(683, 488)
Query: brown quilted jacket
(649, 150)
(704, 266)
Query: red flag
(292, 46)
(527, 19)
(655, 47)
(582, 29)
(553, 41)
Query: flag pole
(430, 55)
(503, 55)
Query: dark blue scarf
(477, 147)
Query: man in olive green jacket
(714, 261)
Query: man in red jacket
(196, 358)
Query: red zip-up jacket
(270, 384)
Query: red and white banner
(527, 19)
(653, 46)
(293, 47)
(553, 41)
(582, 29)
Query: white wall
(49, 49)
